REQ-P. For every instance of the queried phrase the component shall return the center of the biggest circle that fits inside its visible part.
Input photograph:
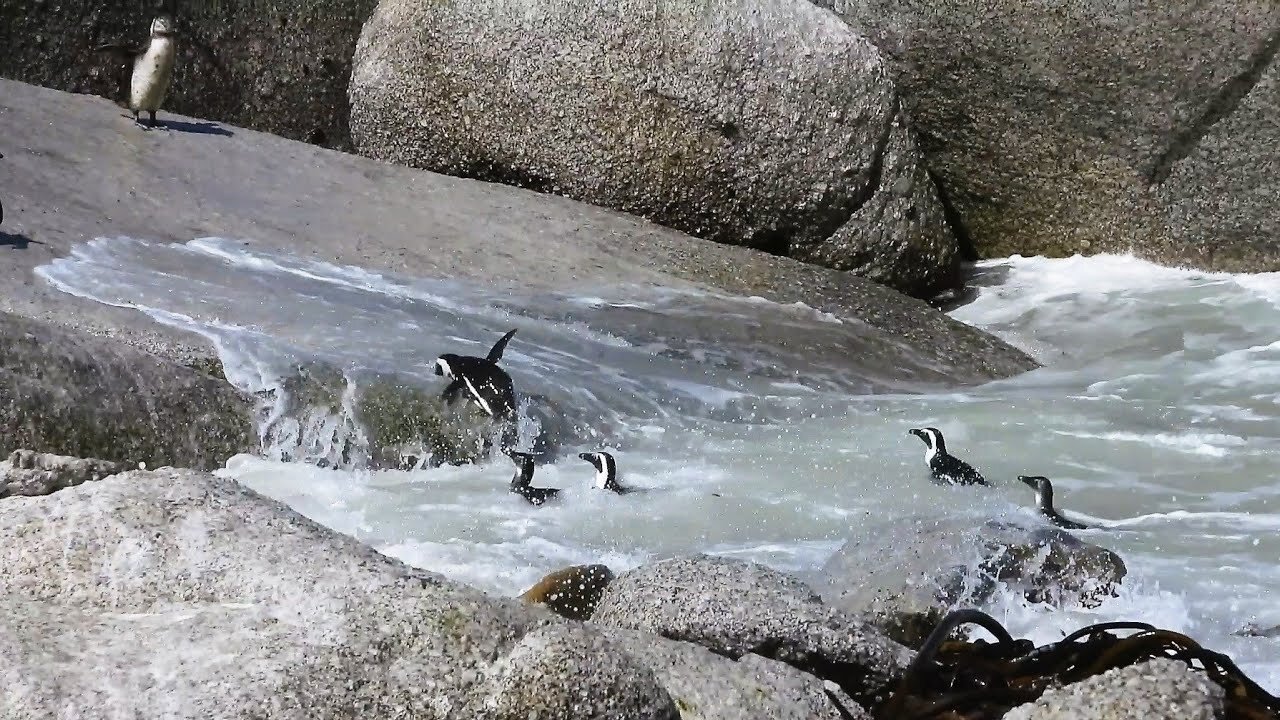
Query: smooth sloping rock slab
(904, 575)
(63, 188)
(1159, 689)
(708, 686)
(759, 123)
(68, 393)
(734, 608)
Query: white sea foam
(1157, 420)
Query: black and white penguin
(946, 468)
(1044, 502)
(521, 483)
(606, 472)
(488, 385)
(152, 66)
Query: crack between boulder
(1223, 104)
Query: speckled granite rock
(904, 575)
(1092, 126)
(31, 473)
(768, 124)
(1159, 689)
(734, 608)
(73, 394)
(571, 672)
(708, 686)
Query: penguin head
(1043, 488)
(606, 468)
(444, 364)
(931, 437)
(163, 26)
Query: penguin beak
(586, 456)
(438, 370)
(1031, 482)
(918, 433)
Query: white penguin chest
(151, 74)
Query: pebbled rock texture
(767, 124)
(1086, 126)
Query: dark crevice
(968, 251)
(1226, 101)
(838, 216)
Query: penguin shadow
(195, 128)
(16, 241)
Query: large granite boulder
(768, 124)
(279, 68)
(173, 593)
(905, 575)
(735, 608)
(1089, 126)
(68, 393)
(1158, 689)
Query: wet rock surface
(734, 608)
(1093, 127)
(573, 592)
(1159, 689)
(31, 473)
(67, 393)
(903, 577)
(68, 184)
(772, 126)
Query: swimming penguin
(152, 66)
(1044, 502)
(521, 482)
(488, 385)
(946, 468)
(606, 472)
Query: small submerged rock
(735, 608)
(573, 592)
(27, 472)
(905, 575)
(1158, 689)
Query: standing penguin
(152, 66)
(488, 385)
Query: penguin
(1044, 502)
(946, 468)
(488, 385)
(152, 66)
(606, 472)
(521, 482)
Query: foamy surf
(1155, 417)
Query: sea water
(1155, 415)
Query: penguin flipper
(122, 51)
(495, 354)
(450, 393)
